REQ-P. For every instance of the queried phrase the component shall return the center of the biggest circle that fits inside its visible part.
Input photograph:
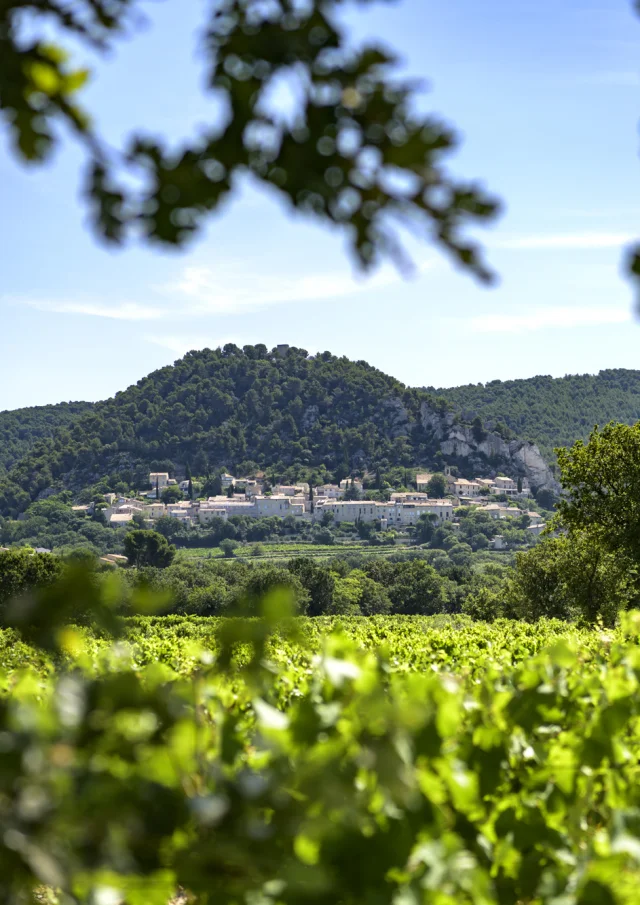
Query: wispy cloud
(578, 241)
(235, 289)
(549, 318)
(125, 311)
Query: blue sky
(547, 97)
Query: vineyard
(410, 644)
(283, 552)
(280, 760)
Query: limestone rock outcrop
(486, 450)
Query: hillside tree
(601, 483)
(437, 486)
(148, 548)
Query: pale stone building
(276, 504)
(119, 519)
(291, 489)
(233, 506)
(352, 511)
(328, 491)
(209, 511)
(252, 488)
(506, 485)
(395, 514)
(495, 510)
(410, 497)
(463, 488)
(159, 479)
(405, 514)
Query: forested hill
(242, 408)
(21, 429)
(552, 411)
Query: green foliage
(479, 432)
(20, 429)
(571, 577)
(37, 86)
(460, 764)
(425, 529)
(373, 599)
(212, 486)
(318, 582)
(171, 494)
(210, 585)
(22, 570)
(414, 643)
(366, 588)
(228, 547)
(148, 548)
(437, 486)
(485, 605)
(346, 596)
(52, 524)
(592, 571)
(358, 156)
(268, 580)
(602, 483)
(546, 499)
(414, 587)
(478, 528)
(351, 493)
(323, 536)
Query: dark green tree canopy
(148, 548)
(20, 429)
(171, 494)
(602, 483)
(318, 582)
(22, 570)
(437, 486)
(357, 156)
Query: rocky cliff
(486, 450)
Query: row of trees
(425, 582)
(341, 586)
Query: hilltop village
(500, 498)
